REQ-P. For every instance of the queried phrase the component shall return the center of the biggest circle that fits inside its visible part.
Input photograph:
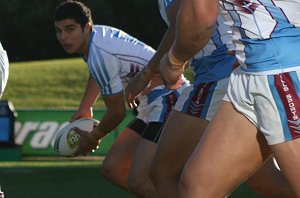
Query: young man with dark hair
(113, 57)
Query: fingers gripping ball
(67, 140)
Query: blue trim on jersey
(213, 67)
(280, 107)
(236, 19)
(104, 76)
(167, 3)
(216, 37)
(278, 15)
(191, 94)
(94, 71)
(154, 94)
(164, 112)
(89, 44)
(272, 54)
(99, 78)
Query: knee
(152, 175)
(161, 174)
(183, 185)
(259, 187)
(113, 172)
(155, 175)
(140, 185)
(134, 183)
(106, 170)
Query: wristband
(175, 63)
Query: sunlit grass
(47, 83)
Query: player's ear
(88, 27)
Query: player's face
(71, 36)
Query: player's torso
(115, 57)
(265, 33)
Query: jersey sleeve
(105, 69)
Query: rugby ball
(67, 140)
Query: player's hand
(171, 76)
(134, 87)
(82, 113)
(155, 81)
(87, 143)
(137, 84)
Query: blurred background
(27, 30)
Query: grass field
(57, 178)
(57, 83)
(50, 83)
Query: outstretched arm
(194, 25)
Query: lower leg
(288, 158)
(181, 134)
(138, 179)
(118, 160)
(269, 181)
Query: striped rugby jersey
(266, 34)
(114, 57)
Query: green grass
(56, 179)
(63, 178)
(49, 83)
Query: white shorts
(157, 105)
(271, 102)
(202, 100)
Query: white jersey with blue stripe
(266, 34)
(114, 57)
(212, 63)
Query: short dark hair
(73, 10)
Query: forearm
(91, 94)
(116, 111)
(107, 124)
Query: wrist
(147, 74)
(175, 63)
(97, 133)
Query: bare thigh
(180, 135)
(230, 151)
